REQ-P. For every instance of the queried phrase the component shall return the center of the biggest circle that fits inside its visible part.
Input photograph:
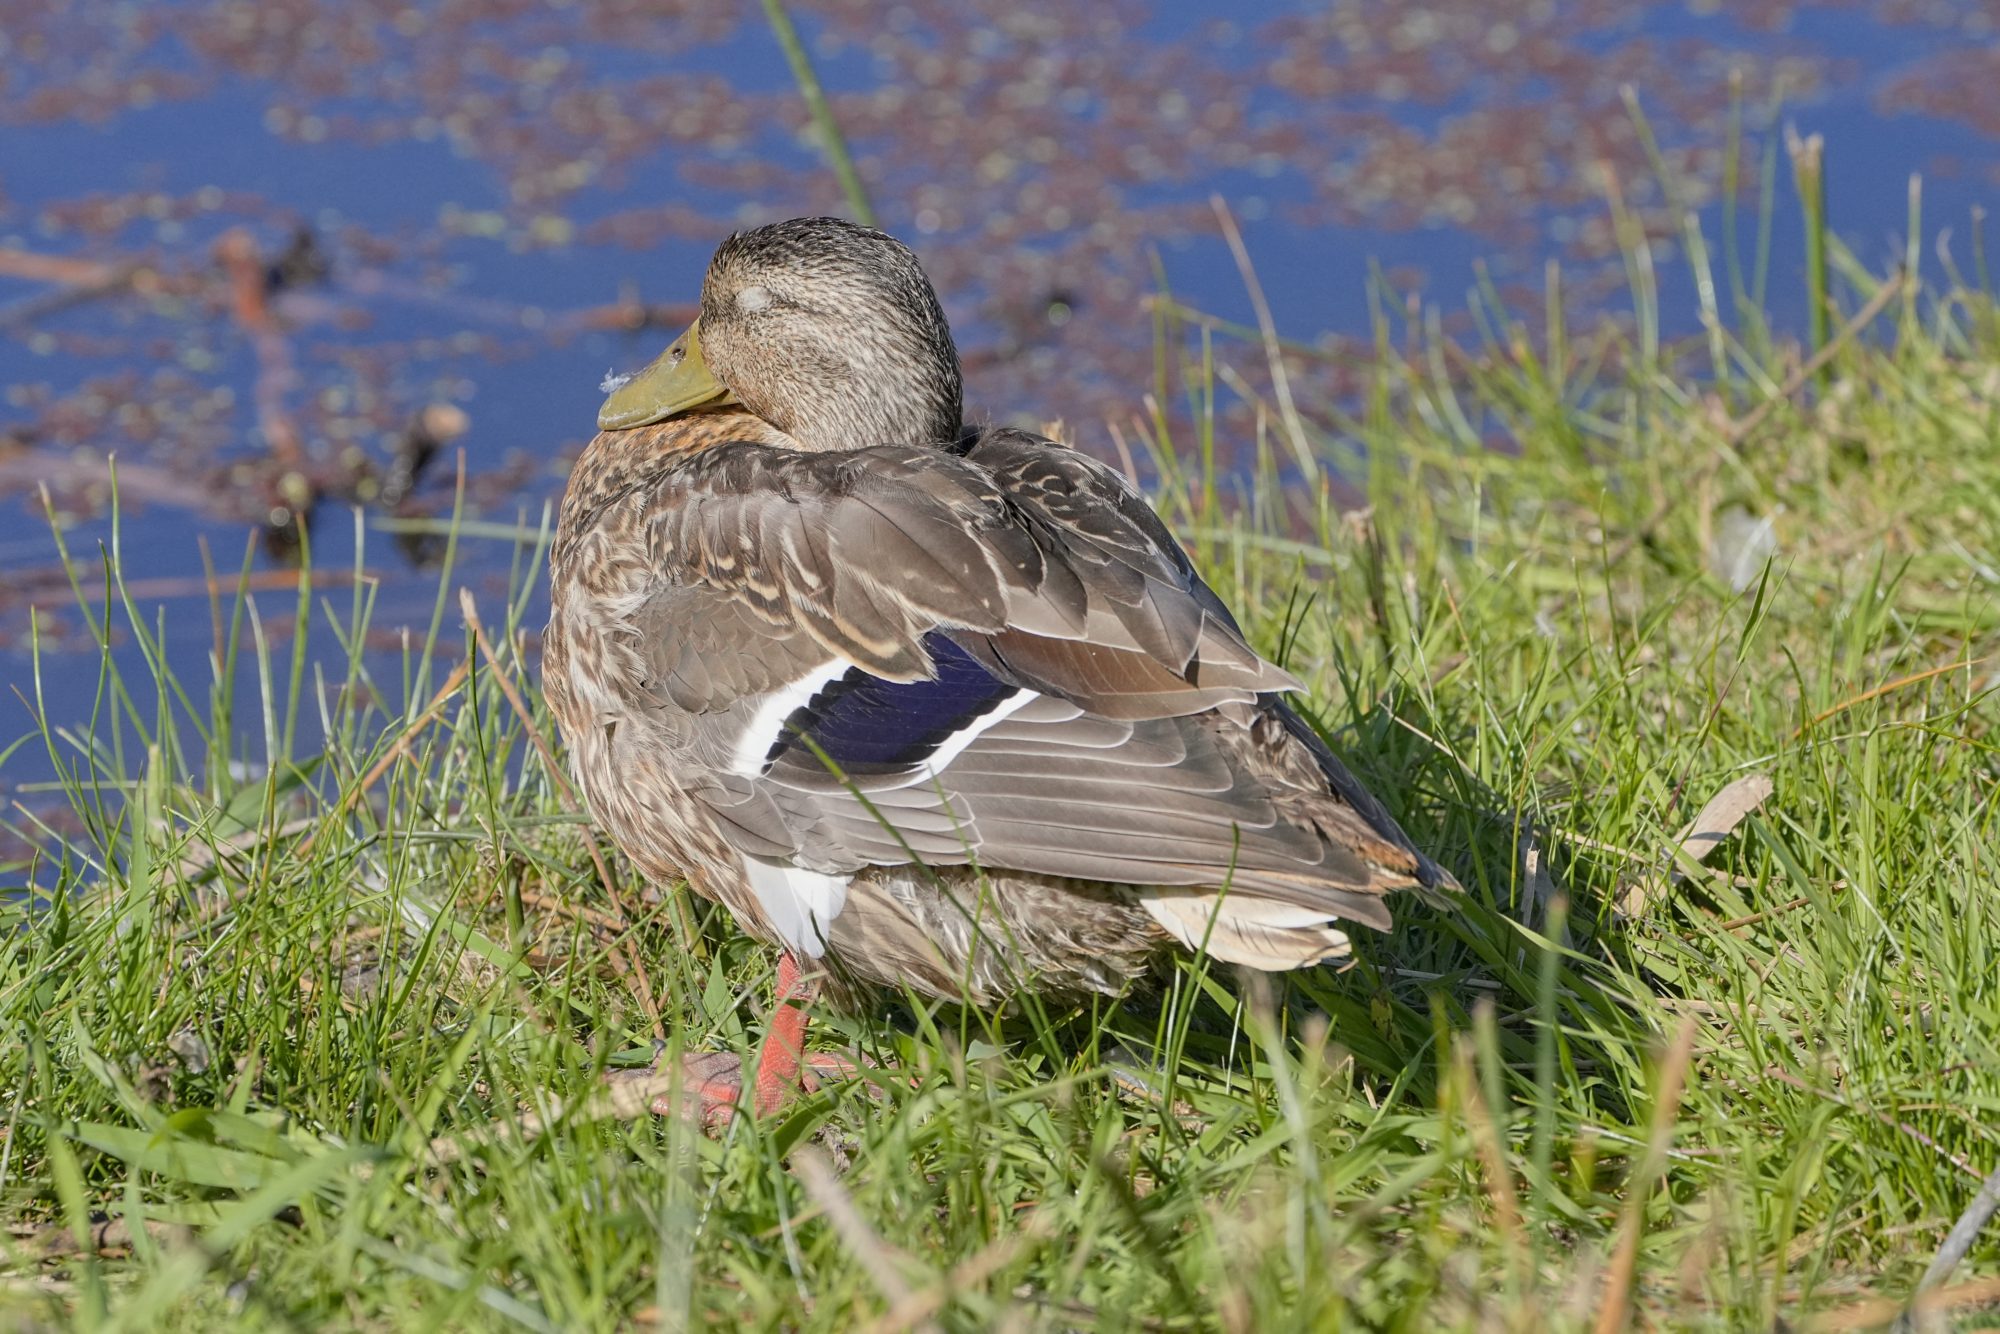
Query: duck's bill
(677, 380)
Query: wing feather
(1119, 669)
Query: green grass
(306, 1050)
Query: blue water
(486, 321)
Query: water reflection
(284, 256)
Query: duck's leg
(780, 1058)
(711, 1086)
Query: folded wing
(999, 657)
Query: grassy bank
(302, 1034)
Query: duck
(924, 704)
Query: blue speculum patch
(867, 725)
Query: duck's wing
(1002, 657)
(862, 554)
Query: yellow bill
(677, 380)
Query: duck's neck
(615, 460)
(857, 421)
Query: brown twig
(113, 279)
(1492, 1154)
(884, 1263)
(1612, 1315)
(969, 1274)
(1887, 687)
(66, 270)
(625, 1099)
(1735, 434)
(562, 907)
(55, 1241)
(1879, 1311)
(1751, 919)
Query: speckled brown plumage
(944, 709)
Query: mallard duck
(923, 705)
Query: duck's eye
(752, 299)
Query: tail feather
(1348, 788)
(1238, 928)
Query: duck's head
(827, 330)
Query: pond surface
(285, 259)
